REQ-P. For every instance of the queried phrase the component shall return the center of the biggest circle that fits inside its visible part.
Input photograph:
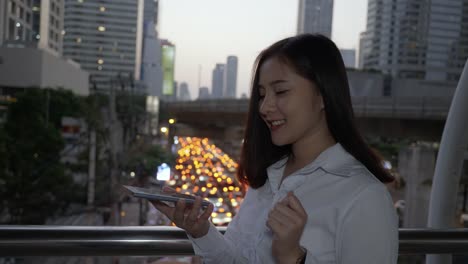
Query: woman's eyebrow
(277, 82)
(272, 83)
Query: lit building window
(101, 28)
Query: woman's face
(289, 104)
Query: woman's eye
(282, 92)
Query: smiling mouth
(276, 124)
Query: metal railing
(172, 241)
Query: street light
(164, 130)
(171, 121)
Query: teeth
(279, 122)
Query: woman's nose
(268, 105)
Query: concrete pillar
(233, 136)
(416, 165)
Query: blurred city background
(99, 93)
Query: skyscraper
(151, 11)
(31, 34)
(105, 37)
(425, 40)
(364, 48)
(217, 81)
(349, 57)
(203, 93)
(184, 92)
(32, 23)
(315, 16)
(151, 68)
(168, 64)
(230, 77)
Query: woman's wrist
(199, 232)
(301, 259)
(297, 256)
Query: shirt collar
(334, 160)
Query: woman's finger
(295, 204)
(287, 213)
(193, 215)
(164, 208)
(278, 218)
(274, 225)
(168, 190)
(207, 213)
(179, 212)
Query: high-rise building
(151, 11)
(184, 92)
(33, 24)
(31, 35)
(168, 64)
(364, 48)
(203, 93)
(425, 40)
(230, 77)
(217, 81)
(349, 57)
(151, 68)
(105, 38)
(315, 16)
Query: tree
(144, 160)
(34, 183)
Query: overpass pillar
(416, 165)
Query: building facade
(349, 57)
(32, 67)
(217, 81)
(416, 39)
(204, 93)
(32, 24)
(105, 38)
(230, 77)
(168, 53)
(184, 92)
(151, 67)
(315, 16)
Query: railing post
(449, 164)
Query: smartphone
(155, 195)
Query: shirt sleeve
(369, 229)
(215, 247)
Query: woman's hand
(187, 217)
(287, 220)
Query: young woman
(316, 189)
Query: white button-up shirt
(351, 218)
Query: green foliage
(388, 147)
(131, 111)
(33, 182)
(145, 160)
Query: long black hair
(316, 58)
